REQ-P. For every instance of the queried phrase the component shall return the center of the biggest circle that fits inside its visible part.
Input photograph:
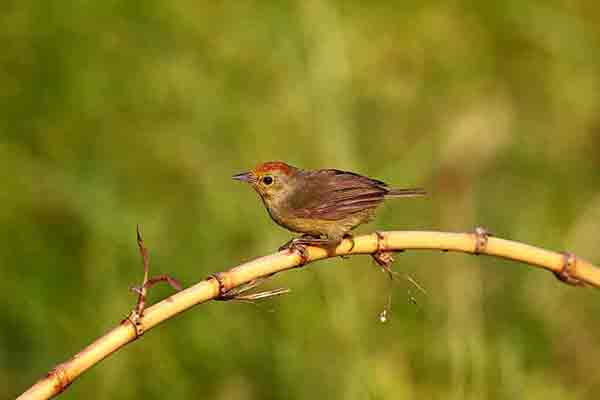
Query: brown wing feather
(334, 195)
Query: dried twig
(566, 266)
(135, 317)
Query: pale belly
(319, 227)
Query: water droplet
(383, 316)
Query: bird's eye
(267, 180)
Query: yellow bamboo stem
(131, 328)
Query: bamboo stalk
(574, 270)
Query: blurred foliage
(117, 113)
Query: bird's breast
(281, 215)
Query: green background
(116, 113)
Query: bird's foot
(298, 245)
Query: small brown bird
(324, 205)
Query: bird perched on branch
(324, 204)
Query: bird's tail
(415, 192)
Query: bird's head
(271, 180)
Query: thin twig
(570, 268)
(148, 281)
(141, 302)
(237, 293)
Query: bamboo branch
(565, 266)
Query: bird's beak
(245, 177)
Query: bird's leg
(308, 240)
(286, 245)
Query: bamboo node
(220, 278)
(481, 240)
(62, 378)
(380, 241)
(568, 271)
(135, 320)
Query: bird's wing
(332, 194)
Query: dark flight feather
(333, 195)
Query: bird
(324, 205)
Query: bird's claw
(297, 245)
